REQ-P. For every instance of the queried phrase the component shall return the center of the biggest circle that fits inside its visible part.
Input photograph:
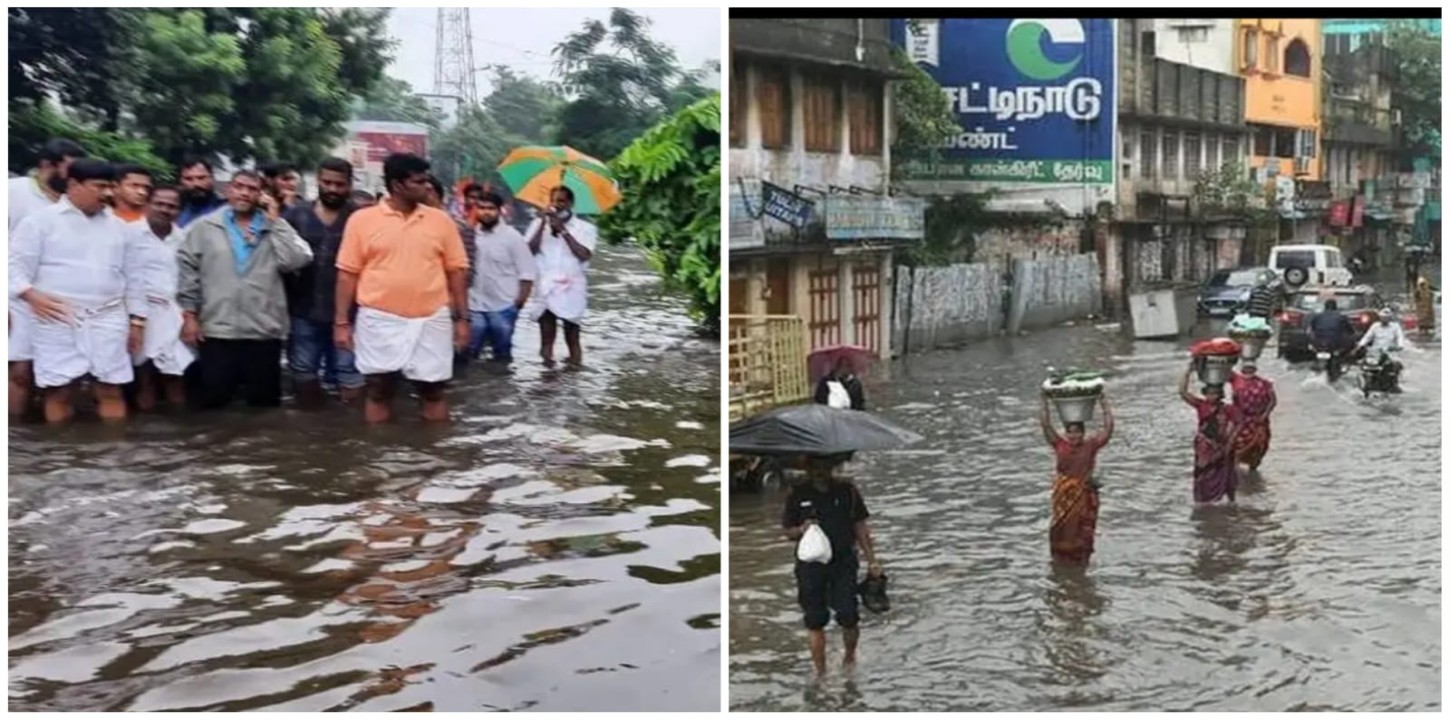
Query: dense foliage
(922, 116)
(1417, 93)
(670, 178)
(244, 83)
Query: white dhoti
(92, 343)
(163, 346)
(420, 348)
(566, 294)
(22, 332)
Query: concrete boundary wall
(940, 306)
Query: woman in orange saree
(1074, 493)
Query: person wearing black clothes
(849, 382)
(837, 507)
(1265, 298)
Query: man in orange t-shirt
(133, 192)
(404, 265)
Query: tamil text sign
(869, 217)
(786, 206)
(1034, 98)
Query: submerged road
(1319, 590)
(555, 548)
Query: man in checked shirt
(311, 291)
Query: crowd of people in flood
(153, 294)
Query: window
(822, 114)
(1230, 151)
(1150, 43)
(1170, 155)
(866, 128)
(1296, 59)
(1284, 142)
(1271, 58)
(1306, 143)
(1127, 157)
(739, 104)
(772, 94)
(1148, 167)
(1263, 140)
(1192, 156)
(1210, 149)
(1191, 35)
(1251, 48)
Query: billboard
(1035, 99)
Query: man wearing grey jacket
(232, 294)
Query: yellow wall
(1273, 97)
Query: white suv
(1310, 265)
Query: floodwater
(555, 548)
(1320, 590)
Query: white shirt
(1381, 337)
(502, 259)
(26, 197)
(554, 253)
(158, 259)
(88, 261)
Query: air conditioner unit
(1302, 165)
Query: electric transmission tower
(453, 62)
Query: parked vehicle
(1301, 265)
(1360, 303)
(1227, 292)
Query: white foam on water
(690, 461)
(212, 526)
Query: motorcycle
(1329, 361)
(1378, 374)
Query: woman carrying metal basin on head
(1215, 474)
(1074, 492)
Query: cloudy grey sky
(523, 38)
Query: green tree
(525, 108)
(393, 100)
(471, 148)
(620, 81)
(1417, 94)
(248, 83)
(670, 179)
(921, 115)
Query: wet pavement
(1320, 590)
(555, 548)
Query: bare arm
(346, 294)
(866, 542)
(1183, 392)
(457, 292)
(536, 240)
(1044, 417)
(581, 252)
(1107, 433)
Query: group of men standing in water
(175, 293)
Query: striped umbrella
(533, 171)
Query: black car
(1227, 293)
(1361, 304)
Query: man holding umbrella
(565, 183)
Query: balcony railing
(767, 363)
(1174, 90)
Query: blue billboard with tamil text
(1035, 99)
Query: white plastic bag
(814, 546)
(838, 398)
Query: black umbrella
(815, 430)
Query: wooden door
(824, 322)
(866, 291)
(777, 279)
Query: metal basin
(1215, 369)
(1076, 409)
(1253, 347)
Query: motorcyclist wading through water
(1331, 332)
(1381, 339)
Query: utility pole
(453, 56)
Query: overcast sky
(523, 39)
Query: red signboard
(381, 145)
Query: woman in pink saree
(1215, 474)
(1254, 399)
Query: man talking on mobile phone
(563, 244)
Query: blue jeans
(312, 353)
(497, 328)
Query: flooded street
(555, 548)
(1320, 590)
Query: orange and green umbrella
(533, 171)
